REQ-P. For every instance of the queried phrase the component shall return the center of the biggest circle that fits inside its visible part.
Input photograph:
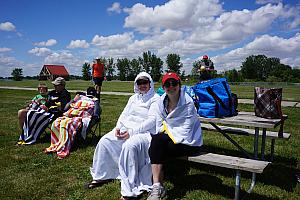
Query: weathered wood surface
(245, 119)
(244, 131)
(230, 162)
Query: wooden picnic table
(250, 120)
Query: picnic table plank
(255, 166)
(245, 119)
(245, 131)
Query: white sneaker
(157, 193)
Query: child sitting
(37, 101)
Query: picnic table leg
(231, 140)
(256, 143)
(237, 185)
(263, 143)
(272, 149)
(253, 180)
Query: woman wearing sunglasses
(178, 130)
(123, 152)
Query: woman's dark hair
(91, 91)
(80, 93)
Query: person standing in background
(206, 68)
(98, 75)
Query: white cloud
(47, 43)
(124, 45)
(4, 49)
(40, 51)
(175, 14)
(115, 7)
(267, 1)
(271, 46)
(7, 26)
(291, 16)
(203, 24)
(113, 41)
(78, 44)
(8, 63)
(232, 27)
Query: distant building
(51, 72)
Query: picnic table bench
(247, 119)
(231, 162)
(251, 163)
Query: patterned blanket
(35, 124)
(64, 129)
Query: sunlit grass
(290, 92)
(27, 173)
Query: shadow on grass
(280, 174)
(184, 183)
(81, 143)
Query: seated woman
(65, 128)
(178, 130)
(128, 144)
(37, 120)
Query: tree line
(128, 69)
(262, 68)
(254, 68)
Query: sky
(72, 32)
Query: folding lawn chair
(95, 122)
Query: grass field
(27, 173)
(290, 92)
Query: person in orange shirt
(98, 75)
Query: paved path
(242, 101)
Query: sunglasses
(142, 82)
(171, 83)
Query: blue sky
(71, 32)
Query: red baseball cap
(205, 57)
(170, 75)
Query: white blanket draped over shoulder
(182, 124)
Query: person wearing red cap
(206, 68)
(178, 130)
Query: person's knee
(130, 145)
(21, 113)
(105, 140)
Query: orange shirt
(98, 69)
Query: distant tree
(282, 73)
(123, 67)
(183, 75)
(258, 67)
(233, 76)
(17, 74)
(151, 64)
(194, 72)
(296, 74)
(145, 61)
(156, 67)
(86, 72)
(173, 63)
(109, 69)
(273, 79)
(136, 68)
(262, 68)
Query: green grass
(27, 173)
(290, 92)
